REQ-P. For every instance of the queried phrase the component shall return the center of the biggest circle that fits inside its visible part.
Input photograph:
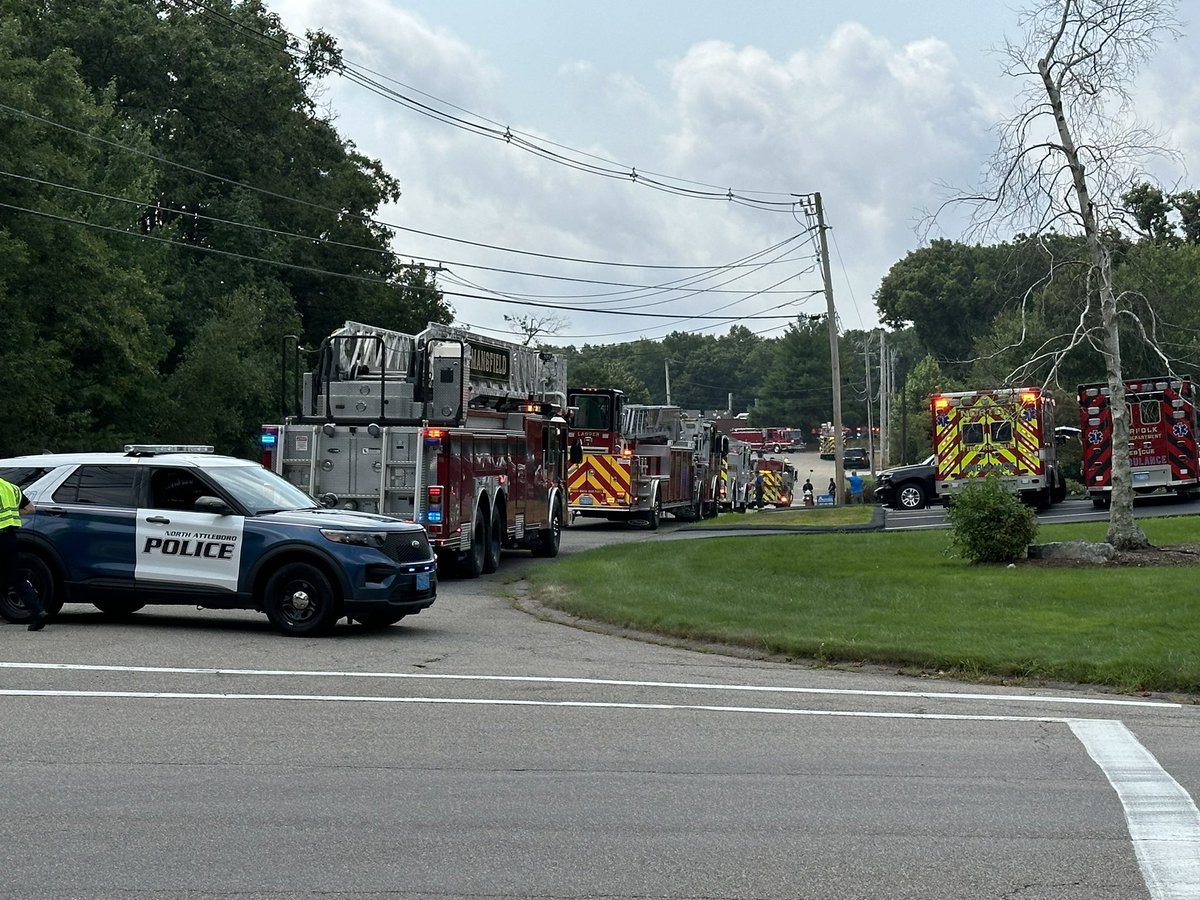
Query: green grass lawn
(822, 516)
(897, 598)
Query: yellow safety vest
(10, 503)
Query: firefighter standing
(13, 502)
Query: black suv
(855, 458)
(908, 487)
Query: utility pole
(870, 430)
(667, 369)
(885, 402)
(839, 439)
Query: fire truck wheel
(495, 537)
(549, 538)
(471, 564)
(299, 600)
(654, 516)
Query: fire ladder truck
(1163, 451)
(462, 433)
(633, 463)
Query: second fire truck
(1163, 451)
(1007, 433)
(635, 463)
(462, 433)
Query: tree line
(175, 204)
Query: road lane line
(1162, 817)
(610, 682)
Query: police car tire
(550, 538)
(41, 576)
(495, 538)
(323, 612)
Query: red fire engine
(1162, 437)
(462, 433)
(636, 463)
(773, 440)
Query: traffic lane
(223, 796)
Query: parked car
(908, 487)
(172, 525)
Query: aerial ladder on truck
(463, 433)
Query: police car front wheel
(300, 601)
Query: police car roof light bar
(153, 449)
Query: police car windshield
(260, 490)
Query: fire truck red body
(1163, 451)
(637, 463)
(773, 440)
(462, 433)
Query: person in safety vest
(13, 502)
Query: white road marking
(1162, 817)
(540, 679)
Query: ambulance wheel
(471, 564)
(117, 609)
(491, 556)
(300, 601)
(550, 538)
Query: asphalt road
(475, 751)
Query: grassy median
(898, 599)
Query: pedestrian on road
(13, 502)
(832, 490)
(856, 487)
(758, 490)
(808, 491)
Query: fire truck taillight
(1028, 397)
(941, 403)
(434, 435)
(434, 516)
(627, 453)
(269, 440)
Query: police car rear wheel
(38, 573)
(299, 601)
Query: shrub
(990, 524)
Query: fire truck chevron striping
(1163, 451)
(1006, 433)
(638, 462)
(462, 433)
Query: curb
(878, 521)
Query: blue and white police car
(179, 525)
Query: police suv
(179, 525)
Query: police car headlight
(374, 539)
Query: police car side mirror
(214, 505)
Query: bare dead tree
(530, 326)
(1062, 164)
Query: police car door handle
(158, 520)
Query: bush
(990, 524)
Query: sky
(875, 105)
